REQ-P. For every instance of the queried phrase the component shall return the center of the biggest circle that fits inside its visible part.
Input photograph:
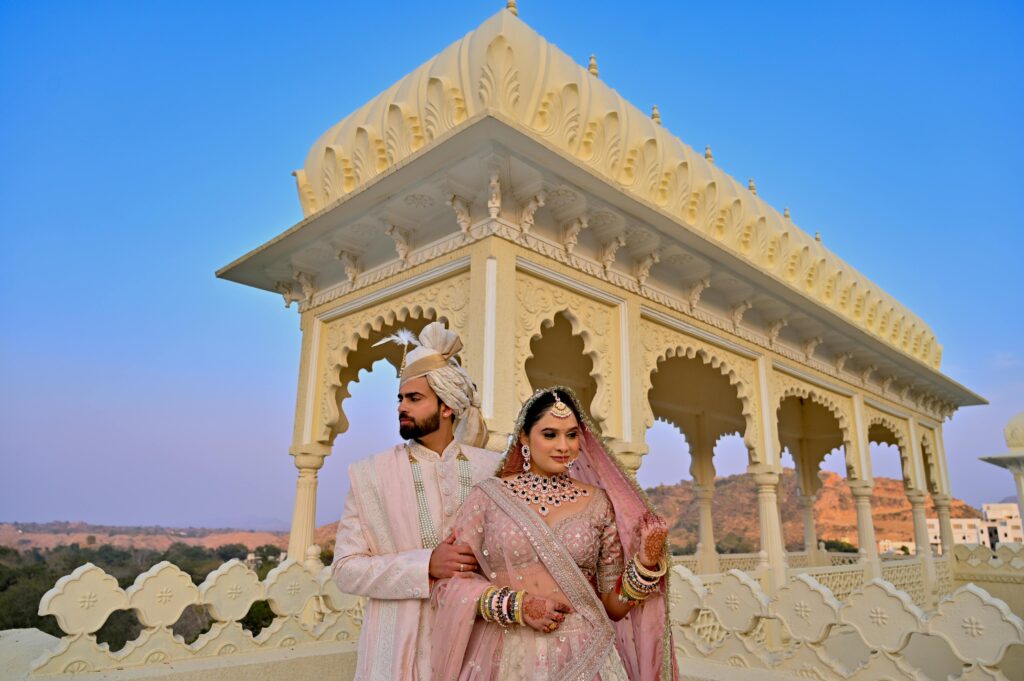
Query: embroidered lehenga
(573, 561)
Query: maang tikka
(560, 409)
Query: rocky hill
(735, 510)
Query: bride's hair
(543, 404)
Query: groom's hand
(449, 558)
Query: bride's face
(554, 444)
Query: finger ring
(552, 626)
(461, 566)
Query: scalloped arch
(825, 400)
(589, 350)
(744, 391)
(906, 465)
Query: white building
(1000, 524)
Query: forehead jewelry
(560, 409)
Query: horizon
(152, 144)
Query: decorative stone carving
(784, 385)
(494, 195)
(160, 594)
(977, 627)
(351, 264)
(402, 241)
(289, 586)
(661, 343)
(884, 617)
(230, 590)
(580, 116)
(737, 312)
(289, 292)
(571, 233)
(643, 268)
(695, 291)
(448, 299)
(82, 601)
(307, 282)
(686, 597)
(775, 329)
(737, 601)
(806, 608)
(530, 210)
(461, 208)
(609, 250)
(538, 302)
(810, 346)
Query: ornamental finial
(751, 186)
(785, 213)
(655, 115)
(592, 66)
(707, 154)
(817, 237)
(511, 7)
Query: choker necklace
(545, 492)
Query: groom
(394, 535)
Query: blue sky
(144, 145)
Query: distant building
(1000, 524)
(896, 546)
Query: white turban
(434, 358)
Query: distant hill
(735, 513)
(735, 510)
(25, 536)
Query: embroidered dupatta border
(565, 572)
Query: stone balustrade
(824, 623)
(308, 609)
(1000, 572)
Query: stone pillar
(707, 555)
(810, 533)
(923, 546)
(862, 490)
(946, 541)
(309, 458)
(767, 482)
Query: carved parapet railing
(308, 607)
(798, 559)
(688, 561)
(840, 558)
(841, 580)
(747, 562)
(724, 623)
(907, 574)
(1001, 572)
(943, 576)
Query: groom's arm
(356, 570)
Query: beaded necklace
(428, 533)
(545, 492)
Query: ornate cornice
(506, 68)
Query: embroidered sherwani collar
(428, 455)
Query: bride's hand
(653, 532)
(544, 614)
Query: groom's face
(419, 409)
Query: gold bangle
(519, 607)
(646, 573)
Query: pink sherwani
(378, 552)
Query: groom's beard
(417, 429)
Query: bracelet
(663, 567)
(483, 605)
(520, 601)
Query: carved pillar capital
(916, 498)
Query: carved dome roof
(1014, 432)
(506, 70)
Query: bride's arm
(611, 563)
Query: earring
(568, 466)
(525, 450)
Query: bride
(572, 564)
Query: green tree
(229, 551)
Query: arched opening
(890, 506)
(703, 405)
(810, 433)
(558, 358)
